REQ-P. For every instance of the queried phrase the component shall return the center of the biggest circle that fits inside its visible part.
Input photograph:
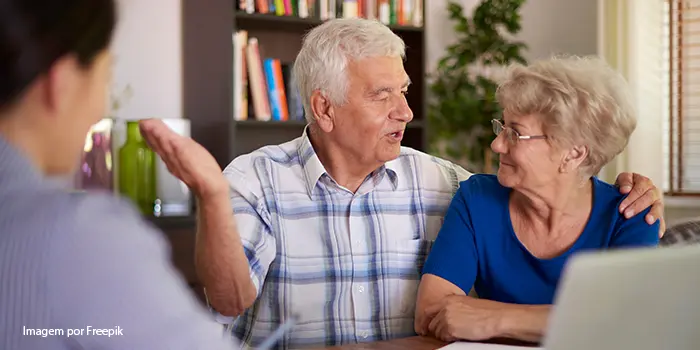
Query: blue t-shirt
(478, 246)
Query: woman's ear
(322, 111)
(573, 159)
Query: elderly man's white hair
(323, 59)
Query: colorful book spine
(280, 87)
(279, 8)
(272, 89)
(258, 89)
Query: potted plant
(462, 93)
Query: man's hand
(186, 159)
(642, 194)
(460, 317)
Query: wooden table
(416, 343)
(412, 343)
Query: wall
(147, 48)
(681, 209)
(548, 26)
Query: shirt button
(361, 289)
(364, 334)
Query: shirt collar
(392, 171)
(314, 169)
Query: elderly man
(334, 226)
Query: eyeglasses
(511, 135)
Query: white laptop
(641, 299)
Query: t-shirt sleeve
(635, 232)
(109, 270)
(453, 256)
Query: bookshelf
(208, 89)
(280, 37)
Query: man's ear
(573, 158)
(322, 110)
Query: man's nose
(402, 111)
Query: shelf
(271, 123)
(168, 223)
(298, 124)
(262, 21)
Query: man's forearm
(220, 260)
(524, 322)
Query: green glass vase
(137, 170)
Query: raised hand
(185, 159)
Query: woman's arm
(524, 322)
(432, 292)
(461, 317)
(452, 263)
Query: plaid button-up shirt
(348, 264)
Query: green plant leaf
(461, 100)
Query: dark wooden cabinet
(180, 232)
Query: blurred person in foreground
(335, 225)
(510, 235)
(75, 262)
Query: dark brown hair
(36, 33)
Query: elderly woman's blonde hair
(580, 100)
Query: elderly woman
(509, 236)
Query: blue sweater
(478, 246)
